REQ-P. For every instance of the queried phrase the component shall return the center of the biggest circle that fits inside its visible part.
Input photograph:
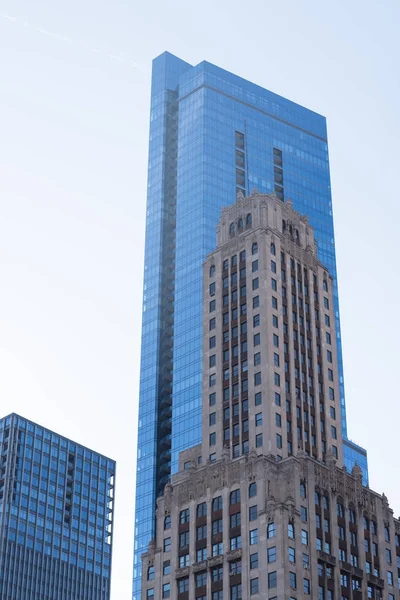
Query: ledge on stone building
(328, 558)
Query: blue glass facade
(56, 516)
(211, 134)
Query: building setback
(212, 134)
(56, 516)
(265, 506)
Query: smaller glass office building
(56, 516)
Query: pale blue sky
(74, 108)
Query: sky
(74, 115)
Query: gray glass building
(56, 516)
(212, 134)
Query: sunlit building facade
(212, 134)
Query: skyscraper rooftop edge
(61, 436)
(316, 122)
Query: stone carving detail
(182, 572)
(233, 554)
(215, 560)
(270, 510)
(385, 507)
(291, 508)
(168, 497)
(200, 566)
(200, 486)
(233, 473)
(251, 465)
(183, 493)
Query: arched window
(212, 270)
(167, 522)
(352, 514)
(150, 573)
(273, 250)
(297, 234)
(252, 490)
(387, 534)
(254, 248)
(240, 224)
(325, 286)
(291, 229)
(248, 220)
(235, 497)
(303, 492)
(232, 229)
(283, 225)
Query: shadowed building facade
(264, 507)
(56, 516)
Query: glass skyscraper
(56, 516)
(212, 134)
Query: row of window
(235, 592)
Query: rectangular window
(271, 530)
(254, 560)
(292, 580)
(253, 513)
(271, 554)
(272, 580)
(235, 520)
(167, 544)
(254, 587)
(235, 542)
(201, 510)
(166, 567)
(184, 539)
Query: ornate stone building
(264, 507)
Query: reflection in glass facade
(56, 516)
(211, 135)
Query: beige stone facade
(270, 377)
(264, 508)
(257, 528)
